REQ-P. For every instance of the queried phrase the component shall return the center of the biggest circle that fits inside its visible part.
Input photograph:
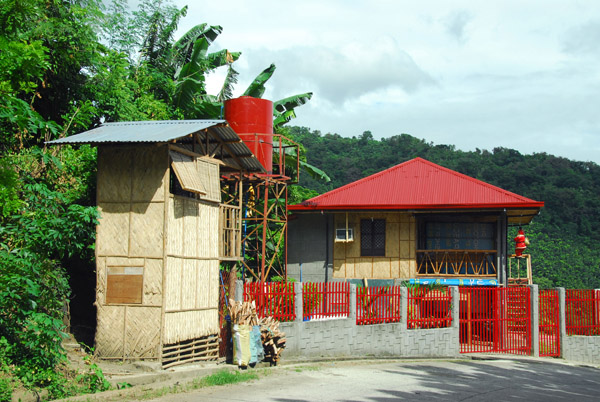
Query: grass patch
(307, 368)
(221, 377)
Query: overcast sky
(475, 74)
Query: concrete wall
(310, 247)
(343, 338)
(585, 349)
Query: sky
(475, 74)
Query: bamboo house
(162, 232)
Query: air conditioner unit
(342, 236)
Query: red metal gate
(549, 323)
(495, 320)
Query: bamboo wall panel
(109, 331)
(400, 248)
(150, 169)
(395, 269)
(392, 240)
(405, 270)
(185, 325)
(153, 277)
(100, 280)
(339, 269)
(382, 268)
(189, 284)
(193, 228)
(113, 230)
(207, 282)
(364, 268)
(209, 174)
(142, 335)
(175, 225)
(146, 230)
(114, 174)
(191, 216)
(173, 285)
(208, 229)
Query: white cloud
(524, 75)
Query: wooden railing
(456, 262)
(230, 226)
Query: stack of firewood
(243, 313)
(273, 339)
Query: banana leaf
(291, 102)
(257, 88)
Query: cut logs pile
(243, 313)
(272, 338)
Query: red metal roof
(417, 184)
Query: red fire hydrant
(520, 243)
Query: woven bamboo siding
(191, 284)
(400, 256)
(179, 268)
(193, 228)
(146, 230)
(185, 325)
(112, 236)
(142, 332)
(109, 331)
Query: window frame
(370, 224)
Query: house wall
(400, 256)
(172, 240)
(310, 247)
(131, 202)
(192, 269)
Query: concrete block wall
(585, 349)
(343, 338)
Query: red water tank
(252, 119)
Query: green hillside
(564, 237)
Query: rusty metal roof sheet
(159, 131)
(417, 185)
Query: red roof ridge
(383, 196)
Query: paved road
(473, 380)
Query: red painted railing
(325, 300)
(429, 308)
(582, 312)
(549, 313)
(378, 305)
(274, 299)
(495, 320)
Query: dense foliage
(564, 237)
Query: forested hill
(565, 237)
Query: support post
(404, 307)
(352, 301)
(535, 320)
(562, 320)
(455, 307)
(299, 302)
(239, 291)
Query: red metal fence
(274, 299)
(325, 300)
(429, 308)
(549, 322)
(582, 312)
(495, 320)
(378, 305)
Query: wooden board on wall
(124, 285)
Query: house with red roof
(416, 220)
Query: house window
(372, 237)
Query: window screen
(372, 237)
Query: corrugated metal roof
(159, 131)
(417, 184)
(140, 131)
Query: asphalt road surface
(431, 380)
